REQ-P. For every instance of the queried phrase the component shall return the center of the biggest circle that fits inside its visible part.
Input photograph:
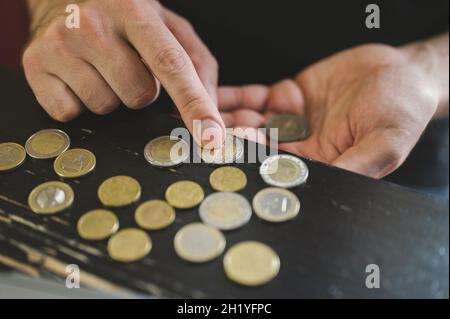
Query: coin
(47, 144)
(228, 179)
(198, 243)
(251, 263)
(129, 244)
(284, 171)
(225, 211)
(50, 198)
(12, 155)
(184, 194)
(290, 127)
(166, 151)
(276, 204)
(232, 151)
(154, 215)
(97, 224)
(74, 163)
(119, 191)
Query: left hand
(367, 107)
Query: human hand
(122, 51)
(367, 108)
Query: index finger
(172, 66)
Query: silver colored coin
(47, 144)
(198, 242)
(166, 151)
(284, 171)
(276, 204)
(290, 127)
(226, 211)
(232, 151)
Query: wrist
(39, 9)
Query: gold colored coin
(97, 224)
(154, 215)
(128, 245)
(50, 198)
(166, 151)
(47, 144)
(12, 155)
(251, 263)
(184, 194)
(119, 191)
(228, 179)
(198, 243)
(74, 163)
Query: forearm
(432, 57)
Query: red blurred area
(13, 32)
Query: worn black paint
(346, 222)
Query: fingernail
(212, 134)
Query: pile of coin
(248, 263)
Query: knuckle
(56, 38)
(30, 59)
(65, 114)
(171, 60)
(141, 99)
(106, 106)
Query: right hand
(122, 51)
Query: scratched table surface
(346, 222)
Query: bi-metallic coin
(47, 144)
(276, 204)
(74, 163)
(198, 243)
(50, 198)
(232, 151)
(226, 211)
(166, 151)
(12, 155)
(290, 127)
(284, 171)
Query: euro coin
(231, 151)
(129, 245)
(228, 179)
(199, 243)
(251, 263)
(226, 211)
(97, 224)
(12, 155)
(74, 163)
(119, 191)
(276, 204)
(47, 144)
(184, 194)
(154, 215)
(290, 127)
(50, 198)
(284, 171)
(166, 151)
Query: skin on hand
(367, 107)
(122, 52)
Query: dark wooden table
(347, 221)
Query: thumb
(376, 155)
